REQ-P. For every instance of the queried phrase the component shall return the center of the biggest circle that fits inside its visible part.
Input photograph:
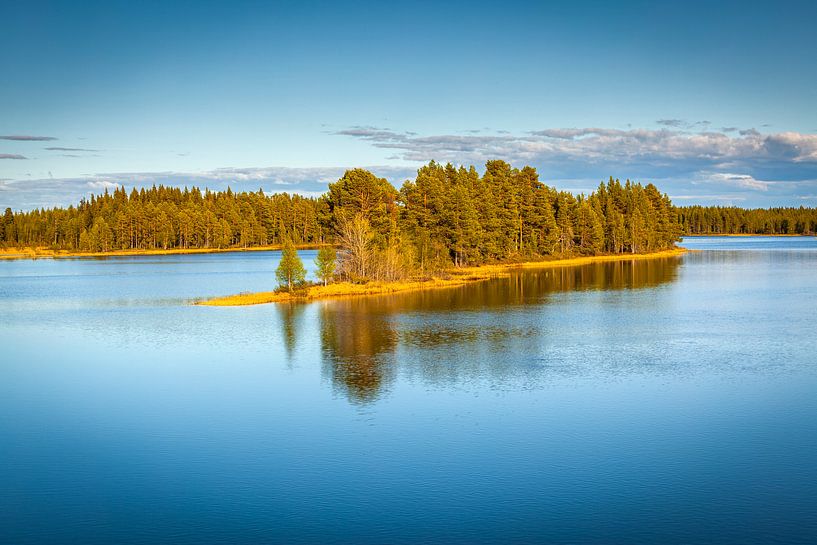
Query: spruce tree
(290, 271)
(325, 263)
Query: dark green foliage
(167, 217)
(359, 192)
(723, 220)
(8, 232)
(446, 216)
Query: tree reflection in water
(360, 337)
(290, 316)
(358, 340)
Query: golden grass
(30, 253)
(457, 277)
(18, 253)
(42, 252)
(575, 261)
(345, 289)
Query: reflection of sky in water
(656, 401)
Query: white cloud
(739, 180)
(598, 144)
(704, 166)
(101, 185)
(729, 198)
(779, 165)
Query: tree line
(715, 220)
(446, 216)
(166, 218)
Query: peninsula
(452, 278)
(449, 226)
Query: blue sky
(715, 102)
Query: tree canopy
(447, 215)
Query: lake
(658, 401)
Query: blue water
(666, 401)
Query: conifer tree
(446, 216)
(290, 271)
(325, 264)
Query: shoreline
(45, 253)
(459, 277)
(724, 235)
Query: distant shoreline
(724, 235)
(46, 253)
(458, 277)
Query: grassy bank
(347, 289)
(574, 261)
(47, 253)
(455, 277)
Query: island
(448, 226)
(452, 278)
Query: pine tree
(325, 264)
(9, 231)
(290, 271)
(448, 215)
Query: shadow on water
(360, 337)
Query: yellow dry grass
(457, 277)
(574, 261)
(344, 289)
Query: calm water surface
(665, 401)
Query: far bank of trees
(166, 218)
(716, 220)
(446, 216)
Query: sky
(714, 102)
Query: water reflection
(358, 340)
(290, 316)
(654, 403)
(360, 337)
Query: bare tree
(355, 237)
